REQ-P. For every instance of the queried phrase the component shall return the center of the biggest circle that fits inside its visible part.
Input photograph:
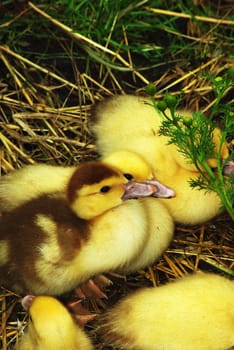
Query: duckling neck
(116, 238)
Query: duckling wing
(31, 181)
(41, 239)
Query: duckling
(195, 312)
(51, 327)
(130, 123)
(56, 241)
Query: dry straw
(36, 126)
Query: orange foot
(93, 287)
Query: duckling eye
(105, 189)
(128, 176)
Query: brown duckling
(56, 241)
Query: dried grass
(44, 118)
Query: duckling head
(136, 168)
(130, 163)
(51, 325)
(96, 187)
(45, 315)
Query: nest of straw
(44, 117)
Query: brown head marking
(88, 174)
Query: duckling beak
(135, 189)
(228, 168)
(27, 301)
(161, 191)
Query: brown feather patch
(24, 237)
(108, 330)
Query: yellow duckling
(129, 123)
(196, 312)
(51, 327)
(56, 241)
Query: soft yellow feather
(195, 312)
